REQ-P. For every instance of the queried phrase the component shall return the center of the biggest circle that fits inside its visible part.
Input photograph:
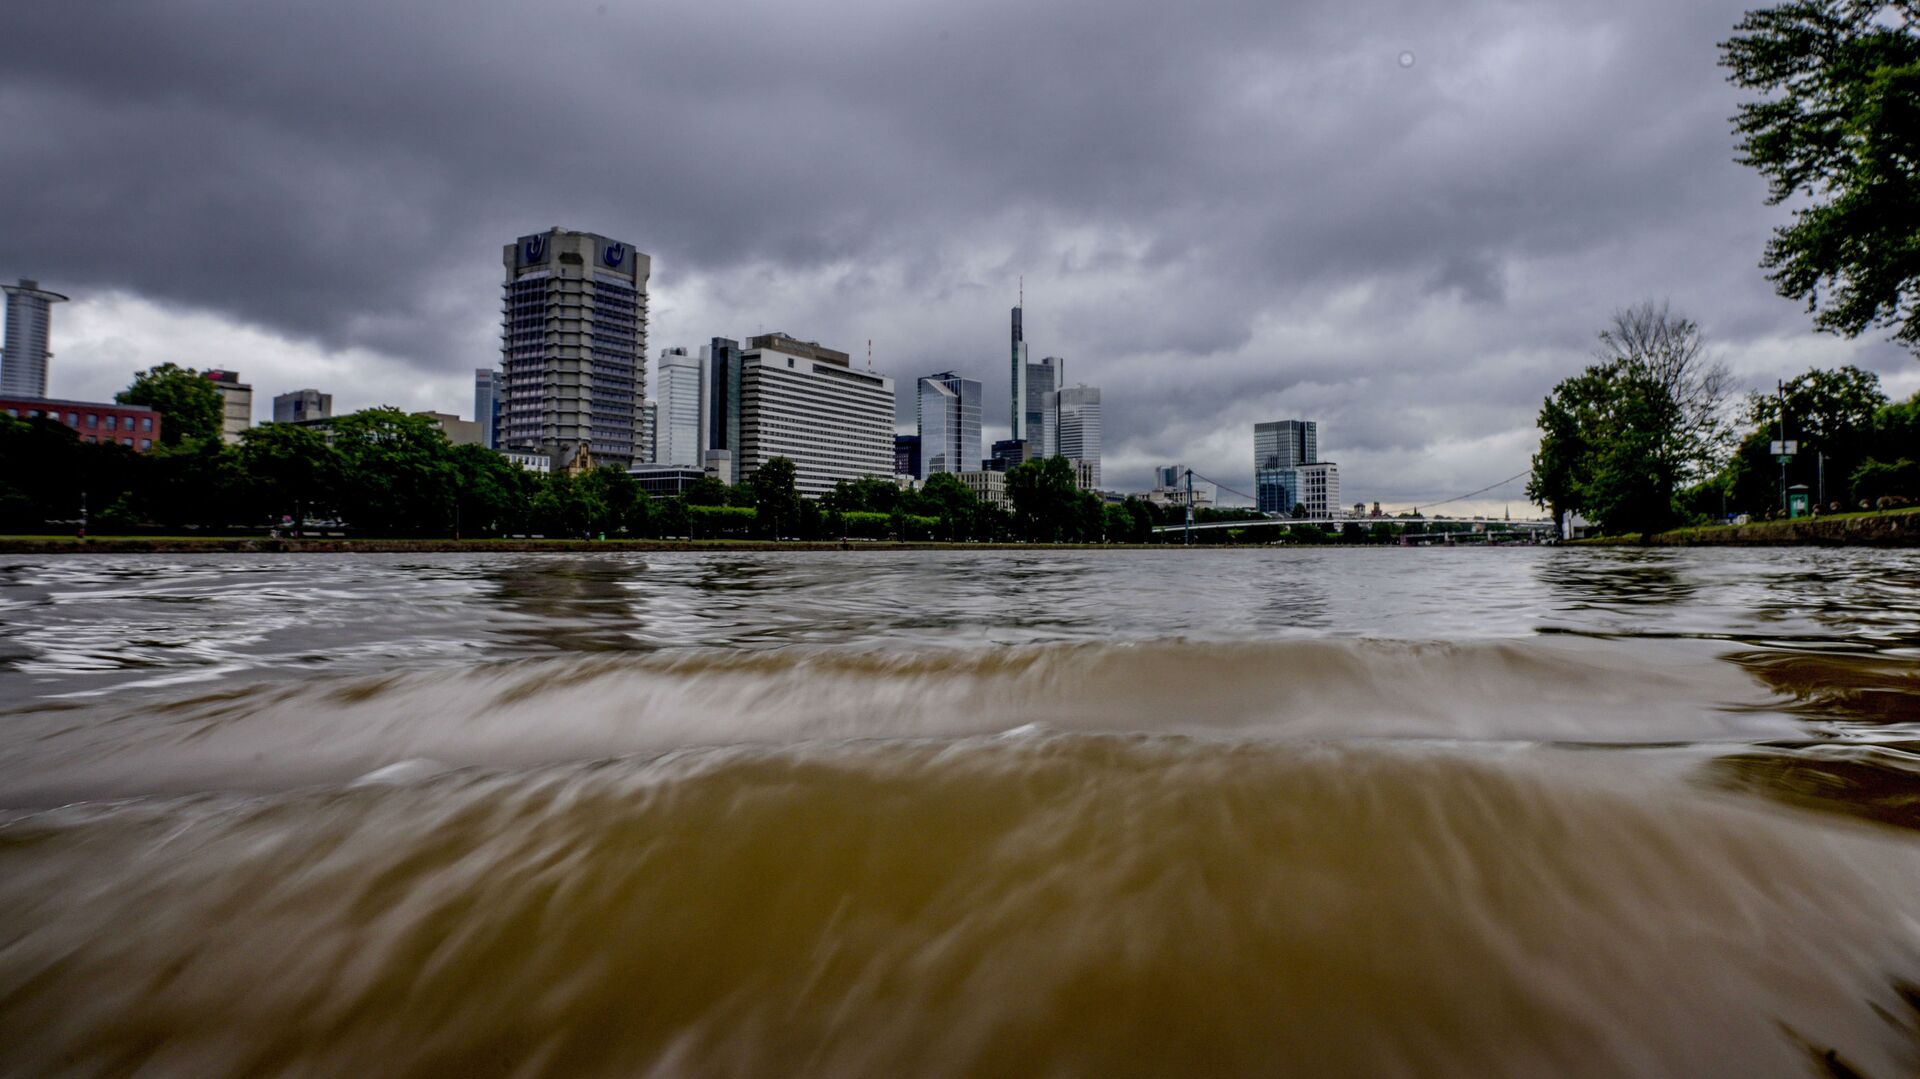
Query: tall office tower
(23, 362)
(647, 450)
(681, 437)
(806, 403)
(949, 412)
(1320, 488)
(236, 403)
(1279, 449)
(723, 396)
(301, 406)
(906, 455)
(486, 405)
(1077, 418)
(1043, 379)
(1017, 414)
(573, 345)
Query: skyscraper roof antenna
(1023, 290)
(869, 354)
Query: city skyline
(1456, 227)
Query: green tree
(953, 502)
(1045, 499)
(288, 471)
(1839, 132)
(190, 406)
(1618, 440)
(775, 496)
(492, 495)
(396, 474)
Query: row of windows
(91, 420)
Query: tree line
(1647, 438)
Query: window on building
(112, 423)
(146, 443)
(73, 419)
(93, 419)
(126, 442)
(146, 423)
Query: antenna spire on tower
(1023, 290)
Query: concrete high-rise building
(680, 436)
(949, 413)
(458, 431)
(648, 450)
(1279, 449)
(23, 360)
(486, 405)
(1042, 380)
(236, 399)
(1320, 488)
(805, 402)
(1077, 419)
(301, 406)
(573, 346)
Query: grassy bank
(262, 545)
(1890, 528)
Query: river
(1372, 812)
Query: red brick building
(133, 426)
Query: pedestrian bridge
(1450, 526)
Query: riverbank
(337, 545)
(1890, 528)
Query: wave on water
(274, 734)
(1055, 904)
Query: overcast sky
(1404, 220)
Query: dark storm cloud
(1224, 212)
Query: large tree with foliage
(776, 498)
(1618, 440)
(290, 471)
(189, 404)
(1838, 132)
(396, 473)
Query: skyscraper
(723, 396)
(1018, 412)
(681, 435)
(1077, 416)
(1279, 449)
(23, 363)
(806, 402)
(573, 345)
(486, 405)
(1042, 380)
(949, 414)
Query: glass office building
(1279, 449)
(949, 414)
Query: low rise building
(459, 432)
(665, 481)
(133, 426)
(236, 401)
(987, 486)
(532, 462)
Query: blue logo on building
(616, 254)
(535, 247)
